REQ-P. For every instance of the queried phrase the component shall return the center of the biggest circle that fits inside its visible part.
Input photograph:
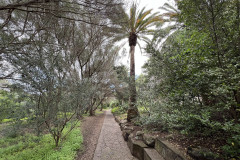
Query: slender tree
(137, 26)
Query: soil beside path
(91, 129)
(111, 145)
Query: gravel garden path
(91, 128)
(111, 145)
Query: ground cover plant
(30, 146)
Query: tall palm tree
(137, 26)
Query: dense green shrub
(114, 104)
(116, 110)
(120, 109)
(105, 106)
(232, 149)
(192, 81)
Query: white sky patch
(141, 58)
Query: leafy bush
(105, 106)
(120, 109)
(116, 110)
(114, 104)
(6, 120)
(232, 149)
(151, 122)
(13, 106)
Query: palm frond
(150, 22)
(146, 20)
(141, 11)
(165, 9)
(167, 5)
(138, 22)
(120, 37)
(132, 17)
(171, 15)
(162, 34)
(141, 17)
(140, 47)
(172, 12)
(145, 39)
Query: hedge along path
(111, 145)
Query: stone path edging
(163, 150)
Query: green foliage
(151, 122)
(57, 68)
(32, 147)
(114, 104)
(120, 109)
(192, 84)
(116, 110)
(12, 106)
(105, 105)
(192, 81)
(7, 120)
(121, 84)
(122, 72)
(232, 149)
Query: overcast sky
(140, 59)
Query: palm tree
(137, 26)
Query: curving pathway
(111, 145)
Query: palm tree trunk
(132, 110)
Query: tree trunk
(132, 110)
(57, 138)
(91, 112)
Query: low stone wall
(145, 147)
(137, 148)
(167, 150)
(152, 154)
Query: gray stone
(137, 148)
(128, 128)
(149, 140)
(117, 120)
(152, 154)
(125, 126)
(125, 134)
(170, 136)
(131, 136)
(178, 158)
(122, 125)
(138, 137)
(123, 121)
(167, 150)
(201, 153)
(139, 133)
